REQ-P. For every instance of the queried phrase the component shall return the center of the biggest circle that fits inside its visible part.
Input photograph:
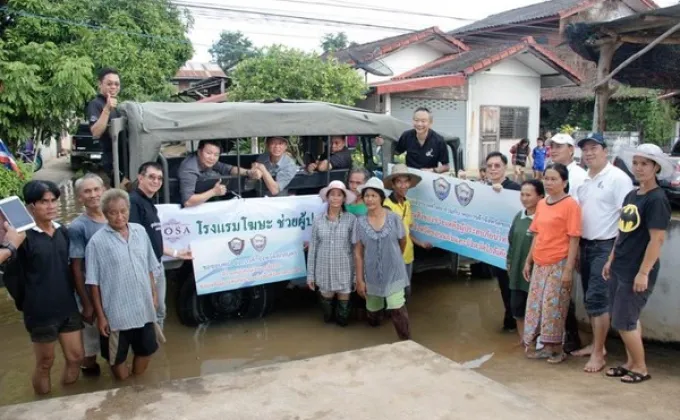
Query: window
(514, 123)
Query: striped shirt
(121, 270)
(330, 257)
(384, 268)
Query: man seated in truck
(340, 158)
(275, 167)
(201, 165)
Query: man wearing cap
(601, 197)
(562, 151)
(275, 168)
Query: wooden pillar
(604, 91)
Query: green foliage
(282, 72)
(12, 183)
(51, 50)
(231, 49)
(335, 41)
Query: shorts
(142, 340)
(626, 304)
(518, 303)
(377, 303)
(49, 331)
(594, 256)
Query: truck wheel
(246, 303)
(190, 306)
(258, 302)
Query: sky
(210, 19)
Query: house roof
(586, 93)
(199, 71)
(454, 68)
(541, 10)
(374, 50)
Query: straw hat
(374, 183)
(401, 170)
(652, 152)
(350, 197)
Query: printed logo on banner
(174, 230)
(442, 188)
(259, 242)
(464, 193)
(236, 246)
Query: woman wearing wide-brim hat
(633, 265)
(381, 276)
(330, 259)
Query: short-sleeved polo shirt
(283, 172)
(144, 212)
(93, 111)
(190, 172)
(428, 155)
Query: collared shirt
(283, 172)
(144, 212)
(601, 199)
(80, 230)
(429, 155)
(577, 175)
(403, 210)
(93, 111)
(190, 172)
(330, 260)
(341, 159)
(520, 239)
(43, 266)
(121, 268)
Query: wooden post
(603, 91)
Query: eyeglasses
(494, 165)
(155, 178)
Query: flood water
(460, 318)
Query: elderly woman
(381, 274)
(633, 265)
(120, 262)
(329, 261)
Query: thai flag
(7, 160)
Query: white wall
(405, 60)
(509, 83)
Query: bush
(11, 183)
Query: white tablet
(14, 211)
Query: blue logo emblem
(464, 193)
(442, 188)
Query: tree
(232, 48)
(335, 41)
(50, 51)
(282, 72)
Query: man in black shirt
(99, 113)
(48, 294)
(340, 158)
(144, 212)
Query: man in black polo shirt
(425, 149)
(99, 113)
(144, 212)
(496, 170)
(47, 298)
(340, 158)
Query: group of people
(521, 154)
(96, 286)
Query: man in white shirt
(562, 151)
(601, 197)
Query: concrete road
(57, 170)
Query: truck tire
(190, 307)
(247, 303)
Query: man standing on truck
(99, 113)
(275, 168)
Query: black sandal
(635, 377)
(617, 372)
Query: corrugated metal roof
(199, 71)
(460, 62)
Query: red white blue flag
(7, 160)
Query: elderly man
(120, 263)
(275, 168)
(144, 212)
(200, 165)
(89, 190)
(601, 197)
(340, 158)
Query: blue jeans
(594, 255)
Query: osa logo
(174, 230)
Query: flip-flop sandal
(616, 372)
(542, 354)
(556, 358)
(636, 378)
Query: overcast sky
(268, 30)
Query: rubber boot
(374, 318)
(342, 311)
(327, 308)
(401, 323)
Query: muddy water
(459, 318)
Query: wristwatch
(11, 248)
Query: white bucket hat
(561, 138)
(374, 183)
(648, 151)
(350, 197)
(401, 170)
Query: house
(200, 80)
(487, 95)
